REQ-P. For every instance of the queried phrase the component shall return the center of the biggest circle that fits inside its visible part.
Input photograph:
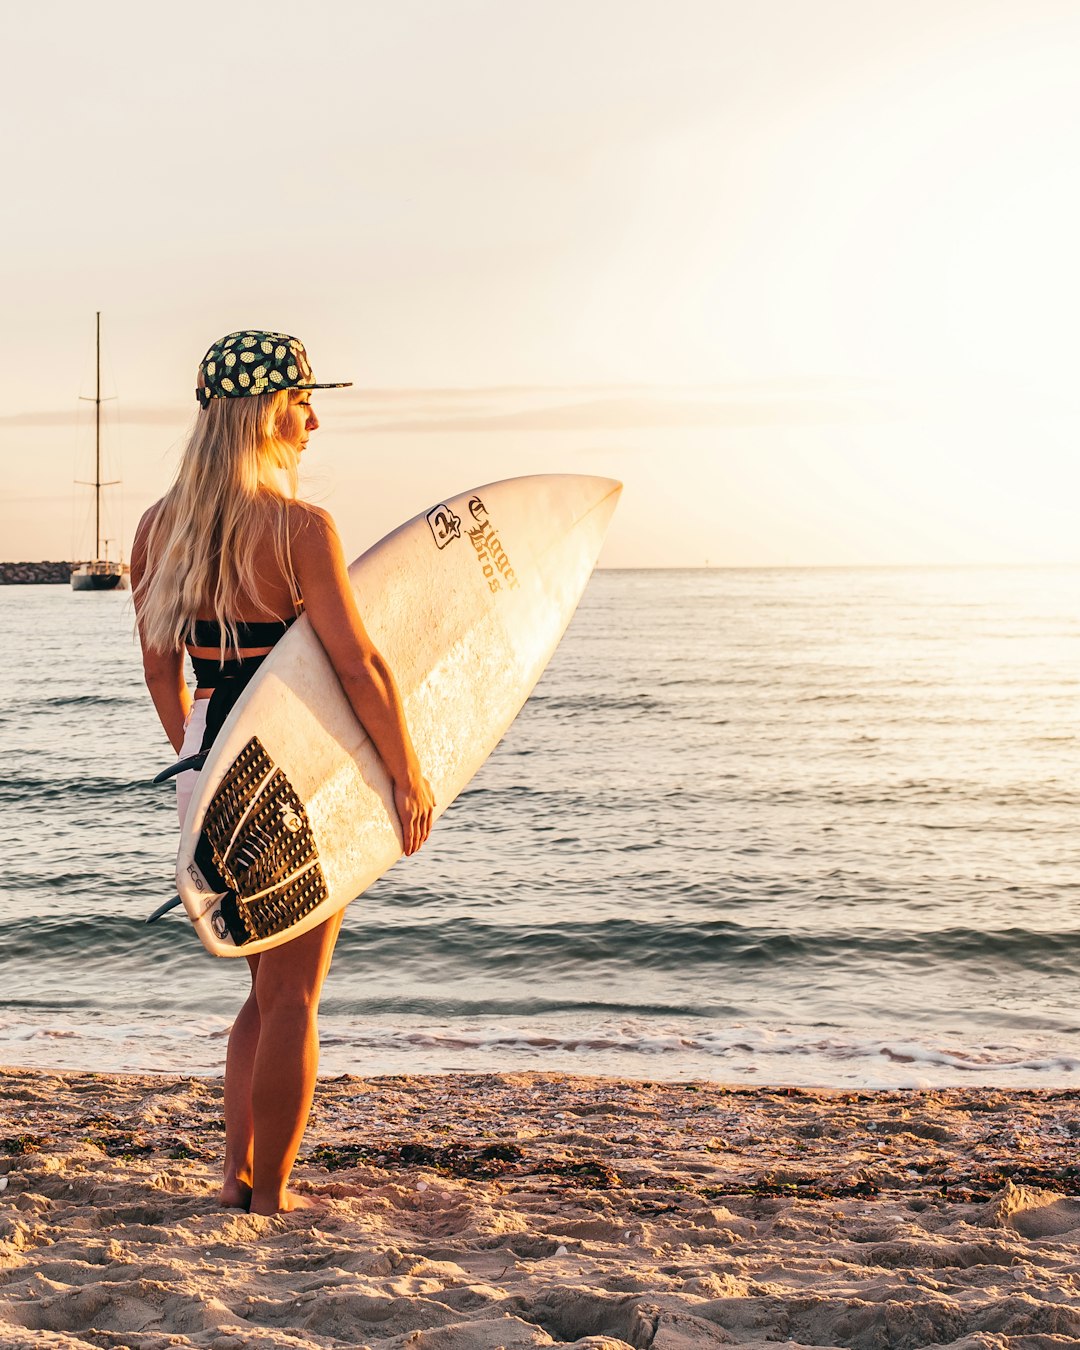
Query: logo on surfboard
(490, 554)
(445, 526)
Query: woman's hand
(415, 807)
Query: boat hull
(100, 577)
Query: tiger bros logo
(444, 524)
(490, 553)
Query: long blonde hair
(200, 548)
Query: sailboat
(100, 574)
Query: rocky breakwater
(35, 573)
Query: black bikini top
(237, 670)
(207, 633)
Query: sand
(475, 1211)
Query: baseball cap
(254, 362)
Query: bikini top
(209, 672)
(207, 633)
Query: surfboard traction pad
(256, 841)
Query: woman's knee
(288, 998)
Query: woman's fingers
(416, 811)
(420, 831)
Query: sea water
(776, 826)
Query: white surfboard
(293, 814)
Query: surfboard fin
(163, 909)
(181, 765)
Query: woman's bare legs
(239, 1064)
(287, 984)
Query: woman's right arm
(323, 578)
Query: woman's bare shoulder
(310, 525)
(307, 515)
(142, 530)
(148, 517)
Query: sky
(801, 273)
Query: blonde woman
(221, 566)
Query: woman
(222, 565)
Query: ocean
(767, 826)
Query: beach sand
(473, 1211)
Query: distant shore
(516, 1210)
(36, 573)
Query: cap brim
(341, 384)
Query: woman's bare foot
(234, 1194)
(287, 1201)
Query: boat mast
(97, 401)
(97, 446)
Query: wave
(602, 703)
(81, 701)
(26, 790)
(630, 1048)
(476, 947)
(671, 946)
(462, 1009)
(741, 1040)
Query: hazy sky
(803, 273)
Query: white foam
(627, 1048)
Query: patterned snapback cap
(253, 362)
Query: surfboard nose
(594, 503)
(612, 491)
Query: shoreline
(475, 1210)
(406, 1044)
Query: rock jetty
(36, 573)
